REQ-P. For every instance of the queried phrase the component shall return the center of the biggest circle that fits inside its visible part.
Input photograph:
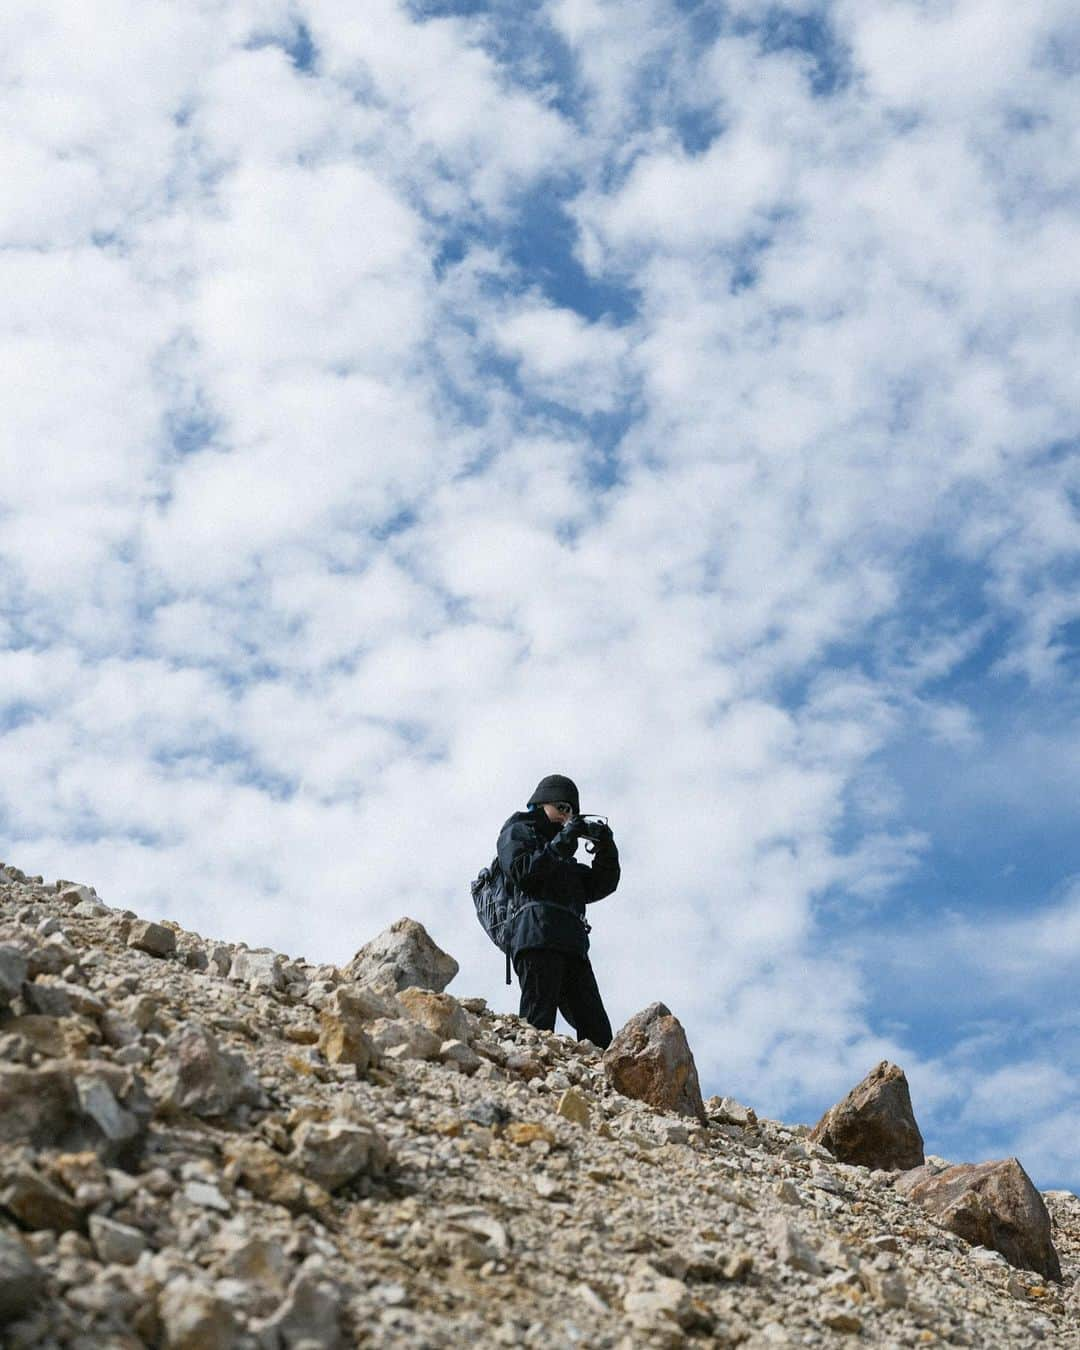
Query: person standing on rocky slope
(549, 937)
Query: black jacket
(563, 887)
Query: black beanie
(556, 788)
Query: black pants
(557, 981)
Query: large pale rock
(405, 957)
(74, 1107)
(335, 1152)
(990, 1204)
(874, 1126)
(21, 1279)
(650, 1059)
(200, 1077)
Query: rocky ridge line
(207, 1146)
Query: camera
(592, 827)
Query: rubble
(222, 1147)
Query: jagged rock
(440, 1013)
(36, 1203)
(460, 1056)
(310, 1314)
(50, 996)
(991, 1204)
(116, 1243)
(874, 1126)
(402, 1038)
(194, 1318)
(255, 1166)
(650, 1060)
(338, 1151)
(731, 1112)
(104, 1108)
(406, 957)
(885, 1285)
(791, 1246)
(21, 1279)
(72, 893)
(56, 1038)
(573, 1106)
(13, 970)
(258, 969)
(342, 1037)
(153, 938)
(202, 1078)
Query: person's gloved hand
(603, 840)
(565, 842)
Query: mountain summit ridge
(204, 1146)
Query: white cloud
(302, 595)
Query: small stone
(198, 1076)
(310, 1315)
(194, 1318)
(21, 1279)
(440, 1013)
(787, 1192)
(457, 1055)
(153, 938)
(885, 1287)
(338, 1151)
(840, 1319)
(573, 1106)
(90, 909)
(523, 1132)
(206, 1195)
(409, 1039)
(116, 1243)
(259, 970)
(36, 1203)
(791, 1246)
(13, 971)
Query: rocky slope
(203, 1146)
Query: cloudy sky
(404, 401)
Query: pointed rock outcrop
(874, 1126)
(650, 1059)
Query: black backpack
(492, 899)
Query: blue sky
(407, 402)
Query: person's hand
(565, 842)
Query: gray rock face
(874, 1125)
(650, 1059)
(202, 1078)
(21, 1279)
(405, 957)
(991, 1204)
